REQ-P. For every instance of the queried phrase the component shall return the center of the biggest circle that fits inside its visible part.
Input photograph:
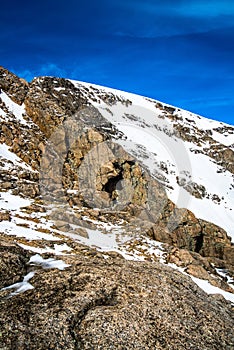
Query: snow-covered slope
(192, 157)
(175, 145)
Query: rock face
(50, 103)
(13, 260)
(67, 159)
(109, 303)
(15, 87)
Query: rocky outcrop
(223, 155)
(49, 101)
(65, 127)
(181, 228)
(193, 188)
(109, 303)
(213, 240)
(196, 265)
(80, 181)
(13, 260)
(5, 215)
(15, 87)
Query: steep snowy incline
(191, 155)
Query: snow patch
(209, 289)
(205, 285)
(62, 249)
(10, 201)
(12, 157)
(14, 108)
(11, 228)
(50, 263)
(21, 287)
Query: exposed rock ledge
(106, 302)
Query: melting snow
(12, 202)
(11, 228)
(14, 108)
(12, 157)
(21, 287)
(50, 263)
(209, 289)
(223, 273)
(205, 285)
(61, 249)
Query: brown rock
(112, 303)
(198, 271)
(229, 255)
(13, 263)
(5, 216)
(81, 232)
(180, 257)
(15, 87)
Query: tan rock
(5, 216)
(94, 136)
(180, 257)
(81, 232)
(198, 271)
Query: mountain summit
(116, 220)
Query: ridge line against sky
(180, 52)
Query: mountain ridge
(86, 169)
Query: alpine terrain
(116, 221)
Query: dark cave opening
(110, 185)
(199, 243)
(115, 183)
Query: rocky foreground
(106, 302)
(60, 286)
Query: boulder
(109, 303)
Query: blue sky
(177, 51)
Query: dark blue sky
(177, 51)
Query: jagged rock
(15, 87)
(223, 155)
(198, 271)
(50, 102)
(214, 240)
(48, 107)
(62, 225)
(30, 190)
(193, 188)
(229, 254)
(197, 266)
(81, 232)
(186, 231)
(13, 260)
(5, 216)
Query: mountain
(116, 220)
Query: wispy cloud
(206, 9)
(152, 18)
(173, 50)
(199, 8)
(47, 69)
